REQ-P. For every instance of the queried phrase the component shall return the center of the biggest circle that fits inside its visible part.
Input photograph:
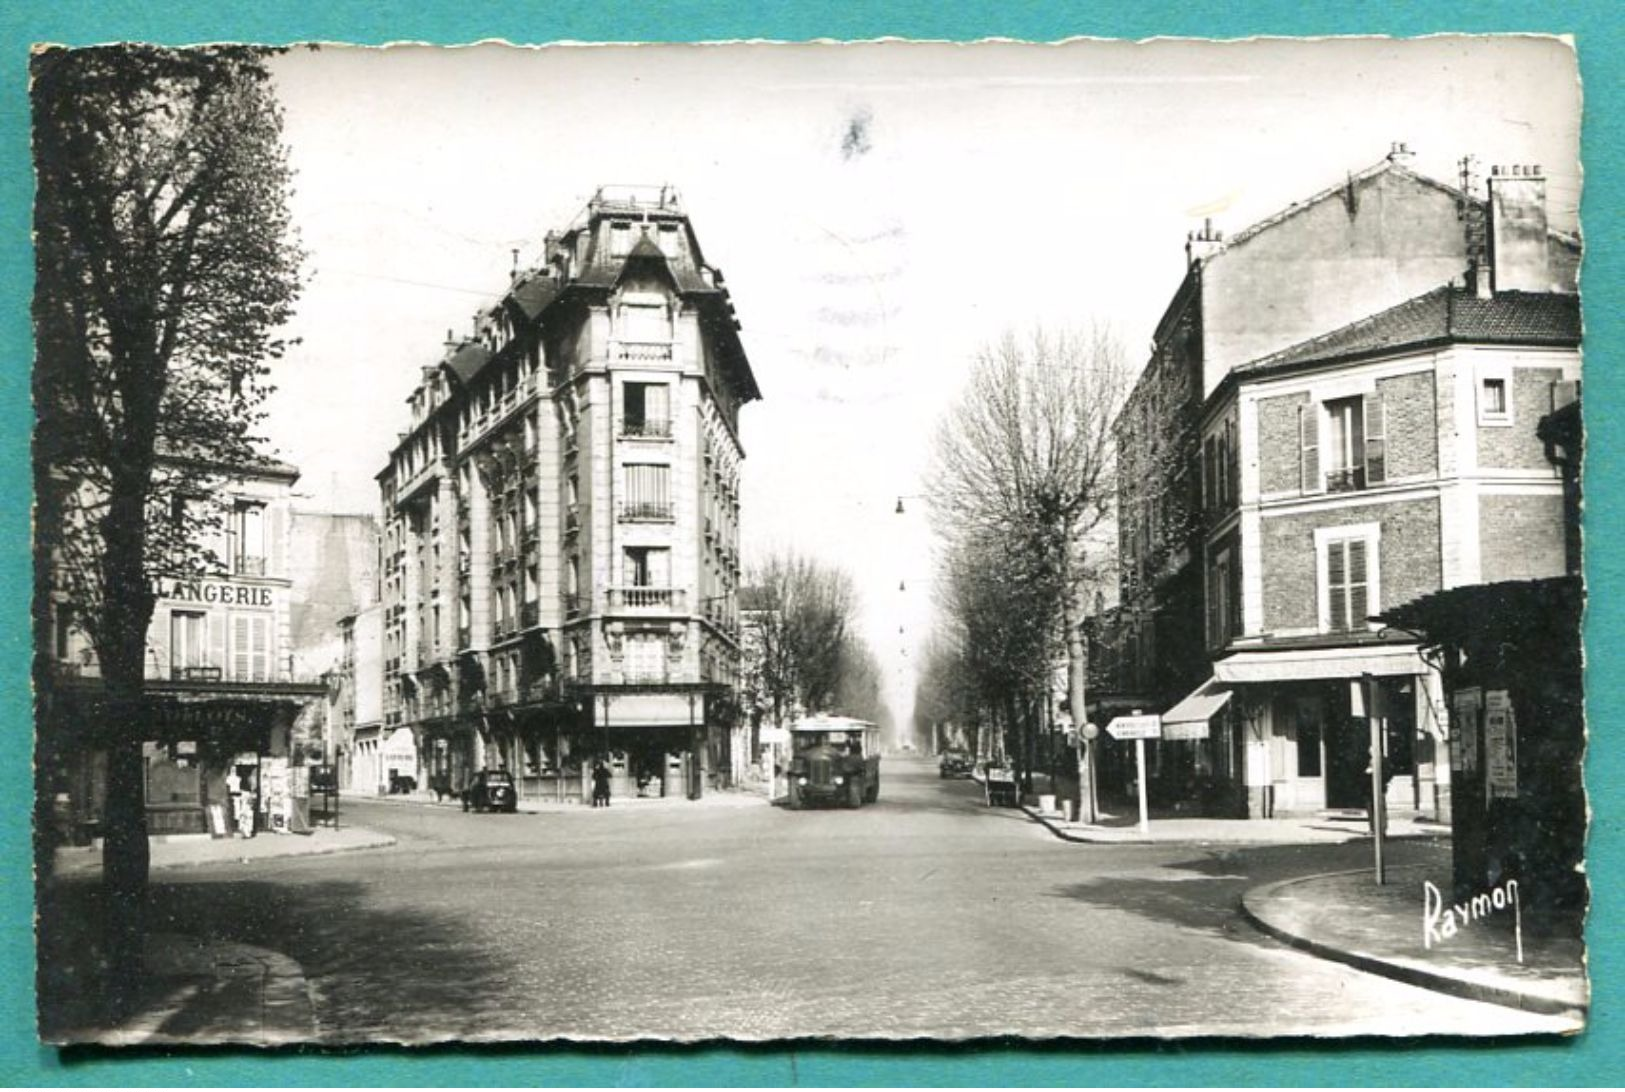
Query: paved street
(924, 915)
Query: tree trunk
(127, 612)
(1077, 677)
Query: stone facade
(561, 521)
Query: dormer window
(670, 245)
(620, 239)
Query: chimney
(1518, 256)
(1202, 244)
(1400, 153)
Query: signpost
(1139, 727)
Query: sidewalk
(1345, 916)
(209, 992)
(193, 851)
(1305, 830)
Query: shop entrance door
(1348, 752)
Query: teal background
(1595, 1057)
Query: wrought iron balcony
(1345, 480)
(249, 566)
(650, 428)
(647, 512)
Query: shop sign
(215, 592)
(1500, 746)
(1465, 705)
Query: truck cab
(833, 761)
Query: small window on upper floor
(1494, 401)
(620, 239)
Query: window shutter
(1358, 599)
(1336, 587)
(1213, 576)
(1234, 576)
(1309, 447)
(1232, 468)
(260, 629)
(1376, 462)
(217, 641)
(1210, 493)
(239, 648)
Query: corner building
(1295, 358)
(561, 521)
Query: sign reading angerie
(227, 595)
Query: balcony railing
(249, 566)
(647, 429)
(640, 350)
(574, 605)
(572, 518)
(638, 597)
(1345, 480)
(647, 512)
(530, 614)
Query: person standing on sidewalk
(600, 786)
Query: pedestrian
(242, 804)
(600, 786)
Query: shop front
(215, 762)
(654, 741)
(1301, 717)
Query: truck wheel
(873, 794)
(792, 798)
(854, 794)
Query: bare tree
(164, 266)
(801, 634)
(1025, 474)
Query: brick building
(1381, 238)
(1366, 468)
(560, 531)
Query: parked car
(491, 790)
(954, 764)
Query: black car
(954, 764)
(491, 790)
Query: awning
(1189, 716)
(1295, 664)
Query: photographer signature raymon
(1441, 922)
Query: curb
(1067, 836)
(1399, 972)
(379, 841)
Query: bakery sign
(215, 593)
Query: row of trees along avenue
(803, 654)
(165, 266)
(1021, 491)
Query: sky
(880, 212)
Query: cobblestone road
(924, 915)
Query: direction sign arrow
(1140, 726)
